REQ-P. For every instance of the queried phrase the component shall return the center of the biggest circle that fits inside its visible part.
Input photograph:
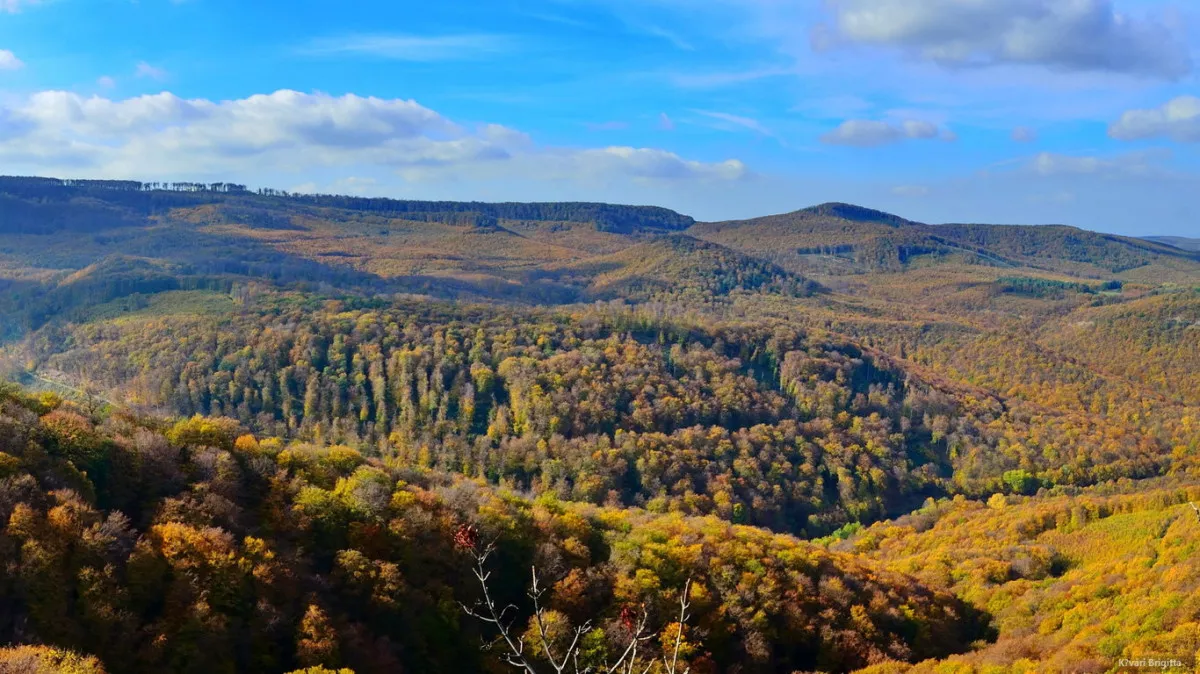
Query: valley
(246, 428)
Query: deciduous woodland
(260, 432)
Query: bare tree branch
(571, 654)
(684, 605)
(516, 655)
(630, 660)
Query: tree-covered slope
(679, 265)
(295, 422)
(193, 547)
(837, 238)
(45, 205)
(1075, 583)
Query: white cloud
(1178, 120)
(1133, 164)
(150, 72)
(653, 164)
(665, 122)
(9, 61)
(106, 82)
(872, 133)
(415, 48)
(1066, 35)
(1024, 134)
(165, 136)
(916, 129)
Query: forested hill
(59, 204)
(841, 238)
(261, 432)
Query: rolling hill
(1176, 241)
(842, 239)
(677, 264)
(270, 432)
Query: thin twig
(516, 655)
(684, 605)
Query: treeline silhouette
(146, 198)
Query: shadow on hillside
(156, 259)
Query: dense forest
(252, 431)
(42, 205)
(194, 547)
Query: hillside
(217, 236)
(220, 234)
(1176, 241)
(45, 205)
(1074, 582)
(840, 239)
(202, 549)
(679, 265)
(294, 423)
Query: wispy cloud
(417, 48)
(1024, 134)
(665, 122)
(9, 61)
(738, 121)
(714, 80)
(556, 18)
(150, 72)
(106, 82)
(662, 33)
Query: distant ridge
(838, 238)
(379, 240)
(1181, 242)
(154, 197)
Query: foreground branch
(636, 621)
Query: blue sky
(1082, 112)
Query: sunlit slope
(839, 239)
(1073, 583)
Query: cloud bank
(164, 135)
(1065, 35)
